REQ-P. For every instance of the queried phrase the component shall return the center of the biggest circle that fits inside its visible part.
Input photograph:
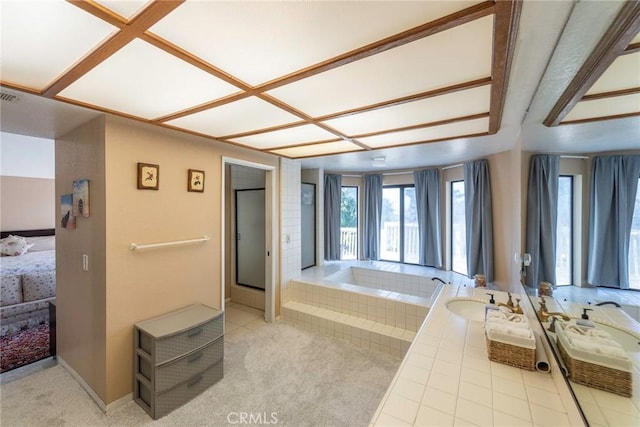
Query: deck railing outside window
(349, 242)
(390, 242)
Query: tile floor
(240, 320)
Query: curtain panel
(332, 199)
(542, 218)
(478, 219)
(427, 186)
(372, 216)
(614, 183)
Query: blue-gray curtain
(614, 182)
(332, 198)
(372, 215)
(427, 186)
(542, 218)
(478, 219)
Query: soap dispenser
(490, 306)
(585, 322)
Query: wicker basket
(597, 376)
(513, 355)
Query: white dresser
(176, 357)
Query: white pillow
(14, 246)
(42, 243)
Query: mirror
(587, 25)
(598, 407)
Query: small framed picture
(196, 181)
(81, 198)
(148, 176)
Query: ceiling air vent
(9, 97)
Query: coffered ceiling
(334, 83)
(296, 79)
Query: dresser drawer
(167, 401)
(177, 345)
(170, 374)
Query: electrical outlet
(85, 262)
(288, 238)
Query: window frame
(401, 188)
(571, 228)
(451, 187)
(357, 199)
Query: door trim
(271, 231)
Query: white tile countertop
(446, 378)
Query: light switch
(85, 262)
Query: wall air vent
(9, 97)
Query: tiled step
(361, 332)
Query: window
(458, 229)
(349, 223)
(564, 237)
(399, 240)
(634, 245)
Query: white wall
(26, 156)
(27, 192)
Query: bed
(27, 278)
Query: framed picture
(196, 181)
(81, 198)
(148, 176)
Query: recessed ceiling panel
(318, 149)
(605, 107)
(284, 37)
(127, 9)
(428, 134)
(457, 55)
(146, 82)
(40, 40)
(623, 73)
(241, 116)
(285, 137)
(458, 104)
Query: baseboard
(118, 403)
(83, 384)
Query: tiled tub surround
(368, 321)
(362, 314)
(402, 283)
(447, 379)
(629, 300)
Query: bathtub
(400, 283)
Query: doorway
(248, 216)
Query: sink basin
(626, 339)
(470, 309)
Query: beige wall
(504, 190)
(27, 203)
(97, 309)
(81, 295)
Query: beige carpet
(278, 374)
